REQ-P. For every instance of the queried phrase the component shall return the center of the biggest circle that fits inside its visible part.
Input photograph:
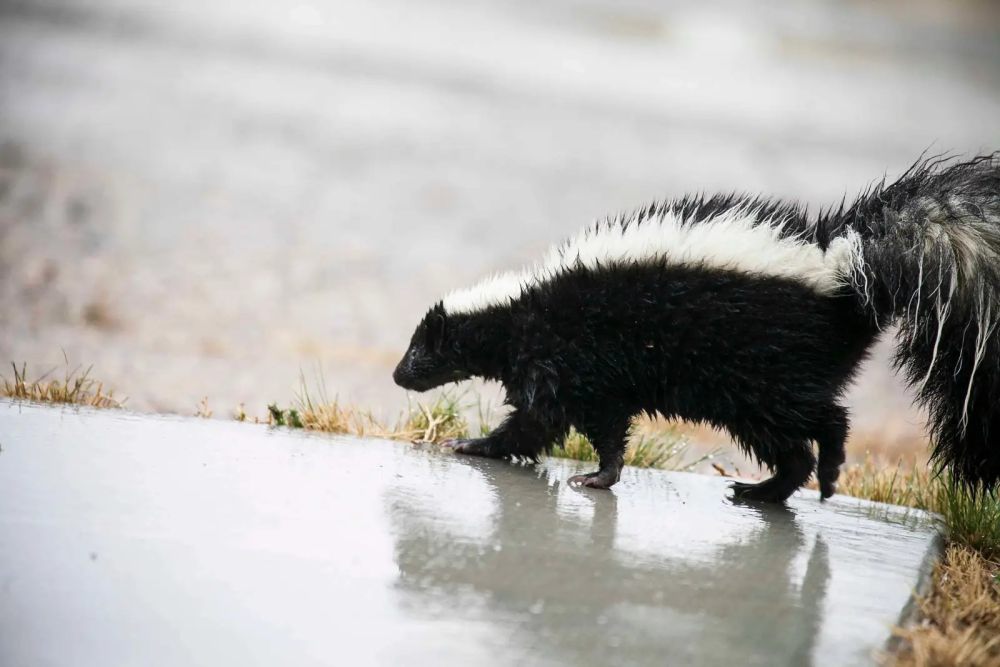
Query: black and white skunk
(748, 315)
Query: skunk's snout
(406, 374)
(401, 374)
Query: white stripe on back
(735, 240)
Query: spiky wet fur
(762, 351)
(928, 258)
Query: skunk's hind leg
(830, 440)
(791, 460)
(608, 437)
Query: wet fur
(765, 357)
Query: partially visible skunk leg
(830, 441)
(485, 447)
(793, 464)
(608, 438)
(520, 435)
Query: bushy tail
(924, 252)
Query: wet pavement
(131, 539)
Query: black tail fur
(926, 255)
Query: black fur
(764, 358)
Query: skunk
(749, 315)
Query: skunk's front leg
(521, 435)
(608, 437)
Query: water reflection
(560, 571)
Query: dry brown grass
(649, 447)
(436, 422)
(75, 387)
(323, 415)
(960, 617)
(900, 484)
(202, 410)
(433, 422)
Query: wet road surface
(130, 539)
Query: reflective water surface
(138, 540)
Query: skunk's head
(433, 358)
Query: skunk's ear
(435, 330)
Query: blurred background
(203, 199)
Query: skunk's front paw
(602, 479)
(473, 447)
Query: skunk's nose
(401, 374)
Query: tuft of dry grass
(664, 449)
(203, 410)
(896, 485)
(435, 423)
(313, 410)
(76, 387)
(960, 617)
